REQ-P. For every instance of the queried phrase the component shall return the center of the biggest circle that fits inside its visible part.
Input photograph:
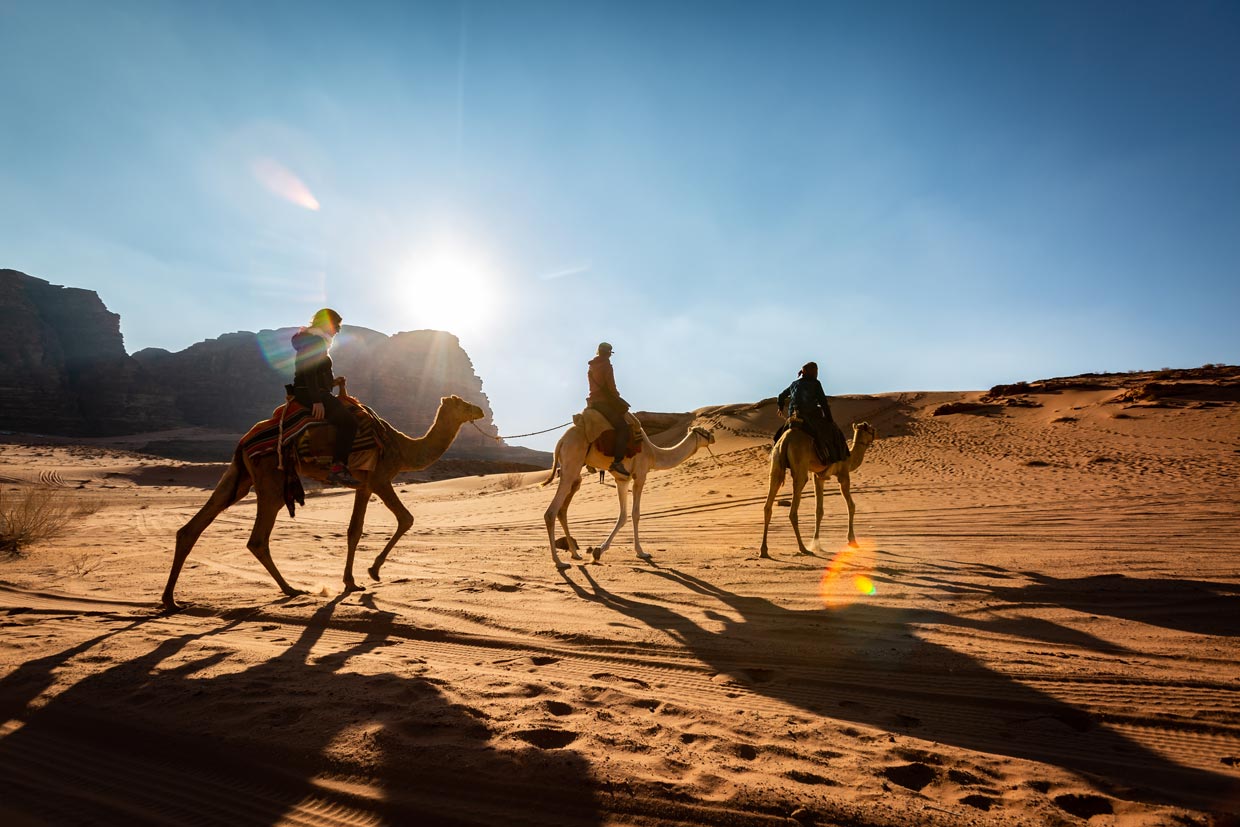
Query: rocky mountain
(63, 365)
(64, 371)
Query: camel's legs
(816, 545)
(776, 480)
(270, 501)
(844, 490)
(639, 482)
(404, 522)
(799, 477)
(221, 498)
(361, 498)
(562, 514)
(568, 480)
(622, 491)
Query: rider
(312, 387)
(809, 403)
(605, 399)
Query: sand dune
(1050, 636)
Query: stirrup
(618, 468)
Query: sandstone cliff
(63, 366)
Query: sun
(449, 286)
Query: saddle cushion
(312, 439)
(599, 432)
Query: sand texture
(1039, 627)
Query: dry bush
(510, 482)
(31, 515)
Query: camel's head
(704, 434)
(863, 433)
(460, 409)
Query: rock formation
(63, 366)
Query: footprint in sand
(557, 708)
(978, 802)
(914, 776)
(547, 738)
(610, 678)
(1084, 806)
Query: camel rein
(517, 436)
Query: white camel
(573, 451)
(795, 452)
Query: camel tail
(555, 464)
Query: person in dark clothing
(806, 400)
(605, 399)
(312, 387)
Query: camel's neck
(417, 453)
(664, 458)
(857, 454)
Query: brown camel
(795, 452)
(400, 453)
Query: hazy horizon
(918, 196)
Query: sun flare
(449, 286)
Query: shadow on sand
(866, 664)
(194, 733)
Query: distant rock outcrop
(63, 366)
(64, 371)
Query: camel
(400, 453)
(572, 452)
(795, 451)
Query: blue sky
(920, 196)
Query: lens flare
(847, 577)
(281, 182)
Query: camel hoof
(575, 555)
(349, 588)
(596, 553)
(169, 607)
(805, 553)
(763, 555)
(561, 566)
(853, 544)
(291, 592)
(644, 556)
(373, 571)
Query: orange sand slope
(1040, 627)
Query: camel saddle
(800, 424)
(301, 439)
(602, 435)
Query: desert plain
(1038, 627)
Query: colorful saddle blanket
(297, 423)
(602, 435)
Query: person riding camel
(605, 399)
(312, 387)
(806, 400)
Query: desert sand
(1039, 627)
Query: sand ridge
(1050, 638)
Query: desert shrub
(33, 514)
(512, 481)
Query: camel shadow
(1198, 606)
(865, 664)
(1202, 607)
(195, 732)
